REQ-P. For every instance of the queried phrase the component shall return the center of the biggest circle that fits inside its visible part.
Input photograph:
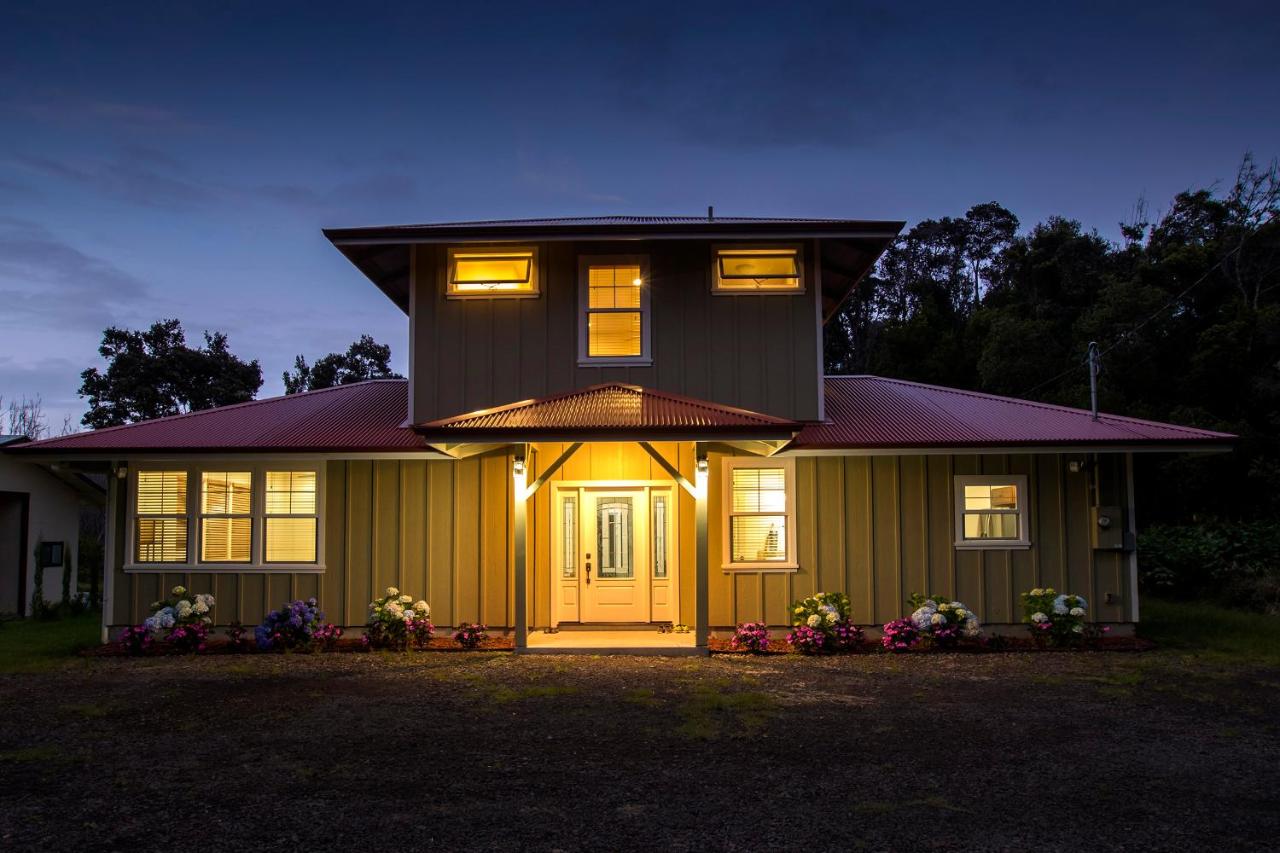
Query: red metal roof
(872, 412)
(863, 412)
(365, 416)
(612, 408)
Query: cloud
(49, 285)
(559, 177)
(68, 108)
(381, 189)
(143, 176)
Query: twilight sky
(179, 159)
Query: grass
(1211, 631)
(31, 645)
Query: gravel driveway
(486, 751)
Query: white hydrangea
(1037, 591)
(206, 599)
(392, 591)
(423, 609)
(923, 617)
(1079, 629)
(406, 599)
(814, 621)
(971, 626)
(201, 608)
(1077, 611)
(184, 609)
(1039, 617)
(938, 619)
(178, 591)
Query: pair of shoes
(665, 628)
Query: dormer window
(759, 269)
(496, 272)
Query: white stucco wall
(54, 516)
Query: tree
(364, 359)
(154, 373)
(26, 417)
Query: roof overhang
(849, 247)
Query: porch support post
(519, 516)
(701, 630)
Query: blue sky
(180, 159)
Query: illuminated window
(759, 269)
(991, 511)
(615, 305)
(161, 524)
(291, 522)
(493, 272)
(759, 512)
(226, 522)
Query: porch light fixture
(755, 269)
(493, 272)
(517, 467)
(702, 466)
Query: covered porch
(609, 512)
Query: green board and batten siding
(421, 526)
(896, 514)
(441, 530)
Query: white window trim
(585, 359)
(728, 465)
(535, 277)
(718, 290)
(257, 563)
(1023, 512)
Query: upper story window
(493, 272)
(759, 269)
(614, 303)
(991, 511)
(759, 530)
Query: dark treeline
(1185, 311)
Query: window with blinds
(160, 533)
(758, 529)
(759, 269)
(290, 522)
(226, 520)
(493, 272)
(990, 510)
(615, 303)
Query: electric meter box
(1108, 528)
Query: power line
(1126, 335)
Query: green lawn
(30, 645)
(1211, 631)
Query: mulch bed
(347, 645)
(1006, 645)
(718, 646)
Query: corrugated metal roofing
(12, 439)
(863, 412)
(365, 416)
(872, 412)
(611, 407)
(544, 222)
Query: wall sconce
(702, 466)
(517, 467)
(1075, 466)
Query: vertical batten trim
(1131, 513)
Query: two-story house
(620, 423)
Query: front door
(615, 573)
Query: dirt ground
(487, 751)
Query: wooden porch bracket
(555, 466)
(669, 468)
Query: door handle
(588, 573)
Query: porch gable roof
(612, 410)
